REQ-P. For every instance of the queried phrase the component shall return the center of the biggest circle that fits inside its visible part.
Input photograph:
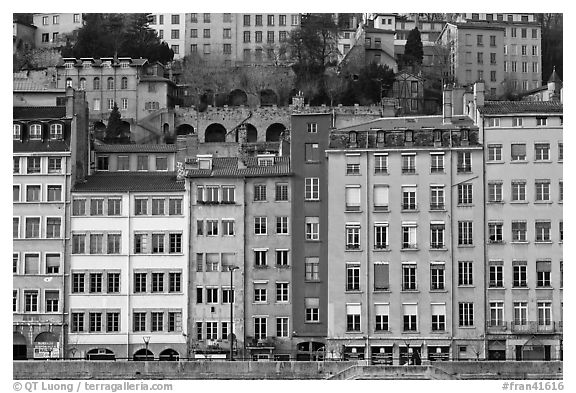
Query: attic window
(380, 136)
(55, 131)
(69, 64)
(352, 137)
(17, 131)
(266, 161)
(87, 64)
(107, 64)
(35, 132)
(205, 162)
(408, 135)
(124, 64)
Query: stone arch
(215, 132)
(237, 97)
(143, 354)
(19, 346)
(251, 133)
(165, 128)
(268, 97)
(169, 354)
(184, 129)
(274, 131)
(100, 354)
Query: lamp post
(146, 342)
(231, 334)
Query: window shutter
(381, 195)
(381, 276)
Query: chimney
(186, 146)
(458, 100)
(447, 104)
(479, 94)
(242, 140)
(298, 101)
(69, 102)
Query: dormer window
(55, 131)
(124, 64)
(380, 137)
(464, 134)
(69, 65)
(352, 137)
(87, 64)
(35, 132)
(437, 136)
(205, 162)
(17, 131)
(265, 160)
(408, 136)
(107, 64)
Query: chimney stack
(447, 104)
(479, 94)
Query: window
(438, 312)
(282, 291)
(113, 282)
(139, 322)
(543, 273)
(282, 327)
(353, 312)
(212, 262)
(102, 163)
(465, 233)
(464, 162)
(312, 309)
(32, 227)
(542, 190)
(95, 280)
(33, 193)
(409, 198)
(158, 206)
(246, 37)
(77, 322)
(381, 236)
(157, 243)
(410, 317)
(157, 282)
(516, 121)
(520, 313)
(561, 231)
(495, 192)
(436, 197)
(282, 225)
(436, 163)
(294, 20)
(518, 190)
(16, 165)
(78, 243)
(31, 264)
(495, 232)
(312, 128)
(112, 322)
(518, 151)
(437, 278)
(311, 152)
(140, 206)
(544, 313)
(281, 257)
(16, 227)
(96, 243)
(311, 268)
(260, 258)
(495, 152)
(52, 263)
(465, 273)
(496, 313)
(465, 314)
(352, 196)
(352, 277)
(352, 236)
(30, 301)
(259, 192)
(227, 227)
(140, 282)
(495, 274)
(519, 231)
(260, 225)
(409, 236)
(381, 197)
(33, 165)
(380, 164)
(312, 188)
(270, 37)
(408, 163)
(55, 131)
(382, 312)
(53, 227)
(142, 163)
(35, 132)
(519, 274)
(54, 193)
(260, 326)
(437, 232)
(175, 240)
(409, 277)
(541, 151)
(96, 207)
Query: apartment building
(51, 28)
(50, 150)
(405, 281)
(145, 98)
(524, 228)
(241, 256)
(231, 38)
(128, 271)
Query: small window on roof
(17, 131)
(56, 131)
(266, 160)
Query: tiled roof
(38, 112)
(513, 107)
(135, 148)
(98, 62)
(137, 182)
(40, 147)
(24, 85)
(412, 123)
(228, 167)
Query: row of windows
(261, 327)
(214, 194)
(519, 231)
(520, 313)
(227, 18)
(518, 191)
(97, 106)
(33, 264)
(108, 321)
(36, 165)
(110, 243)
(209, 330)
(52, 193)
(543, 276)
(55, 131)
(96, 85)
(214, 295)
(123, 163)
(112, 206)
(518, 150)
(109, 282)
(56, 19)
(32, 301)
(261, 258)
(33, 228)
(258, 20)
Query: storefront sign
(46, 350)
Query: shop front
(353, 352)
(410, 355)
(382, 354)
(438, 353)
(497, 350)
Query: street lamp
(231, 334)
(146, 342)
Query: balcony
(409, 246)
(437, 246)
(352, 247)
(531, 327)
(494, 326)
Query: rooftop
(38, 112)
(228, 167)
(40, 147)
(125, 182)
(514, 107)
(135, 148)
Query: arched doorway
(166, 128)
(184, 129)
(215, 132)
(268, 97)
(274, 131)
(100, 354)
(143, 354)
(19, 346)
(310, 351)
(237, 97)
(46, 346)
(169, 355)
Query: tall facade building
(51, 28)
(50, 150)
(128, 271)
(230, 38)
(524, 229)
(405, 280)
(145, 98)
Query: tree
(114, 129)
(334, 85)
(413, 50)
(552, 44)
(371, 84)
